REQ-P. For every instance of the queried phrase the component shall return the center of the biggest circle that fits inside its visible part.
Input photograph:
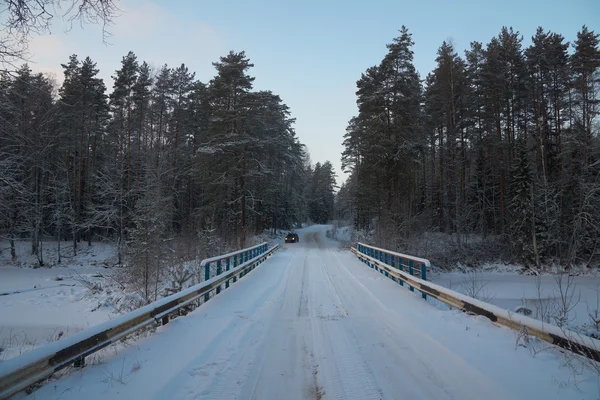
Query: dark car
(292, 237)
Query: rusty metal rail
(23, 371)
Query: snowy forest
(160, 159)
(495, 152)
(498, 148)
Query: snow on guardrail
(23, 371)
(566, 339)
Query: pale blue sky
(309, 52)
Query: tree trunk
(533, 229)
(13, 253)
(58, 247)
(243, 217)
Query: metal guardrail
(400, 261)
(566, 339)
(23, 371)
(214, 266)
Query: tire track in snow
(248, 346)
(341, 371)
(303, 310)
(214, 361)
(427, 361)
(346, 375)
(284, 357)
(337, 301)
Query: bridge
(307, 321)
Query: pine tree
(522, 207)
(121, 130)
(322, 196)
(226, 139)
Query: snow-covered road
(314, 323)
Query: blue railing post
(243, 259)
(395, 261)
(401, 268)
(218, 273)
(424, 277)
(207, 277)
(372, 255)
(410, 271)
(386, 258)
(227, 268)
(235, 264)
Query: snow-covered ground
(98, 254)
(36, 308)
(507, 287)
(314, 322)
(541, 294)
(38, 305)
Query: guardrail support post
(424, 277)
(207, 277)
(227, 268)
(386, 259)
(79, 362)
(165, 320)
(401, 268)
(411, 272)
(235, 264)
(219, 273)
